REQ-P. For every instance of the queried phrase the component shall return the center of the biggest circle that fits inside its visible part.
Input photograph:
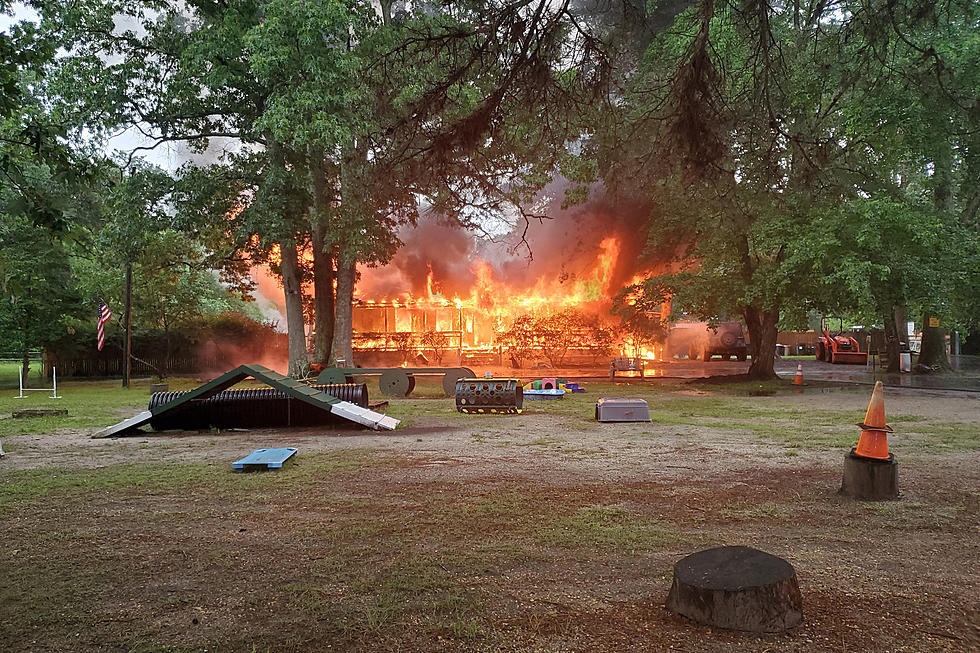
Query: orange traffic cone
(798, 379)
(873, 442)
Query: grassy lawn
(90, 405)
(483, 533)
(9, 377)
(765, 410)
(769, 411)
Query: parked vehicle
(838, 347)
(699, 340)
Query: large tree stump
(737, 587)
(869, 478)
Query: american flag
(104, 316)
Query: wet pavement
(965, 376)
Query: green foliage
(38, 286)
(793, 159)
(874, 253)
(792, 169)
(41, 175)
(557, 332)
(306, 53)
(519, 340)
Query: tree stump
(737, 587)
(869, 478)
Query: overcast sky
(169, 156)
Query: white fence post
(53, 388)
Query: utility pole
(129, 325)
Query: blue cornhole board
(264, 458)
(543, 394)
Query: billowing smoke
(560, 250)
(434, 245)
(269, 297)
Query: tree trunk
(128, 347)
(169, 345)
(295, 325)
(323, 276)
(933, 352)
(323, 266)
(738, 588)
(893, 347)
(344, 321)
(762, 346)
(25, 364)
(901, 327)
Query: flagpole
(129, 324)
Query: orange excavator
(839, 348)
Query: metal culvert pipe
(253, 408)
(489, 395)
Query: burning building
(445, 288)
(449, 295)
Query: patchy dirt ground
(539, 532)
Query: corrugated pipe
(258, 408)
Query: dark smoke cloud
(433, 244)
(563, 248)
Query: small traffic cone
(798, 379)
(873, 442)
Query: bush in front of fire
(554, 336)
(436, 342)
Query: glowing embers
(489, 396)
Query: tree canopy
(791, 156)
(792, 160)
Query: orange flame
(475, 320)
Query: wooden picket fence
(113, 366)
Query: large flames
(549, 293)
(473, 321)
(448, 294)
